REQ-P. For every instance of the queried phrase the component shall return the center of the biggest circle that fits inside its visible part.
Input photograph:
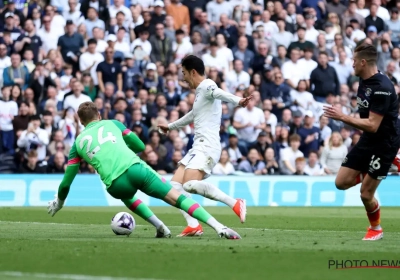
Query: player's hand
(54, 206)
(163, 129)
(333, 112)
(245, 101)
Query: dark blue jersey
(377, 95)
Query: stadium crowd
(292, 55)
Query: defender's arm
(368, 125)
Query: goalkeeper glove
(54, 206)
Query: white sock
(192, 222)
(217, 226)
(154, 221)
(378, 227)
(210, 191)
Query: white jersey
(206, 116)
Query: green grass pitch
(278, 243)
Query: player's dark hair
(87, 112)
(367, 52)
(192, 62)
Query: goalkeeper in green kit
(111, 149)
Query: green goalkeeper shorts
(141, 177)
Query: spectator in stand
(173, 165)
(34, 138)
(237, 77)
(77, 98)
(109, 71)
(262, 143)
(236, 153)
(73, 13)
(322, 47)
(92, 21)
(21, 121)
(394, 26)
(333, 154)
(260, 62)
(313, 167)
(120, 7)
(29, 41)
(8, 110)
(374, 20)
(310, 134)
(16, 73)
(57, 163)
(289, 155)
(179, 12)
(57, 144)
(100, 6)
(243, 53)
(181, 48)
(49, 36)
(206, 30)
(279, 94)
(224, 166)
(10, 26)
(161, 47)
(155, 163)
(252, 164)
(249, 122)
(71, 45)
(271, 165)
(343, 69)
(32, 164)
(301, 42)
(292, 70)
(300, 163)
(351, 13)
(323, 79)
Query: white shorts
(198, 159)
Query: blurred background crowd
(294, 56)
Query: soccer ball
(123, 224)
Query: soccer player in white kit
(206, 150)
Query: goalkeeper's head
(88, 113)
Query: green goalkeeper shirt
(106, 145)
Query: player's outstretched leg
(368, 188)
(212, 192)
(193, 226)
(143, 211)
(194, 209)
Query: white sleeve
(285, 71)
(82, 63)
(185, 120)
(285, 155)
(22, 140)
(237, 116)
(14, 109)
(43, 137)
(66, 103)
(219, 94)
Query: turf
(278, 243)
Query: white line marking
(237, 228)
(28, 275)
